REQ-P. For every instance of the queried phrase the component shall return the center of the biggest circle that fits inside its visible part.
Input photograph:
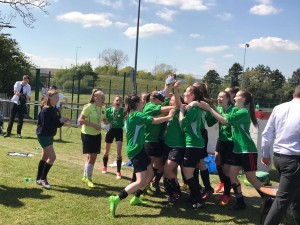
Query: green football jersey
(174, 136)
(135, 132)
(240, 122)
(191, 128)
(225, 132)
(152, 131)
(115, 118)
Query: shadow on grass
(11, 196)
(211, 213)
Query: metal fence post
(36, 94)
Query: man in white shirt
(60, 96)
(284, 128)
(22, 91)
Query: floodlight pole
(136, 50)
(242, 80)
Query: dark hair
(157, 95)
(53, 87)
(46, 101)
(26, 77)
(249, 101)
(198, 94)
(205, 91)
(297, 92)
(131, 102)
(147, 98)
(92, 100)
(227, 96)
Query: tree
(212, 79)
(295, 79)
(234, 74)
(114, 58)
(12, 64)
(162, 70)
(23, 9)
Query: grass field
(71, 202)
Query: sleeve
(28, 93)
(145, 118)
(237, 117)
(210, 119)
(86, 110)
(268, 136)
(50, 118)
(17, 86)
(189, 117)
(153, 109)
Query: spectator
(61, 97)
(22, 91)
(284, 128)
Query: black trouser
(15, 109)
(288, 192)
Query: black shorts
(192, 156)
(226, 150)
(246, 160)
(141, 161)
(218, 145)
(176, 154)
(91, 143)
(204, 135)
(153, 149)
(116, 133)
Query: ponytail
(131, 102)
(250, 101)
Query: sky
(193, 36)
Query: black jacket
(48, 121)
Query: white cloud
(113, 4)
(212, 49)
(228, 56)
(60, 63)
(263, 9)
(87, 20)
(166, 14)
(209, 64)
(148, 30)
(121, 24)
(196, 36)
(273, 44)
(224, 16)
(182, 4)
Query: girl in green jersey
(194, 144)
(135, 129)
(115, 116)
(244, 151)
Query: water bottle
(27, 179)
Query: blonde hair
(46, 101)
(95, 91)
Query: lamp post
(136, 50)
(73, 81)
(242, 80)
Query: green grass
(72, 202)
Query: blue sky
(193, 36)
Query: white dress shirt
(17, 87)
(284, 128)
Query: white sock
(85, 170)
(89, 170)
